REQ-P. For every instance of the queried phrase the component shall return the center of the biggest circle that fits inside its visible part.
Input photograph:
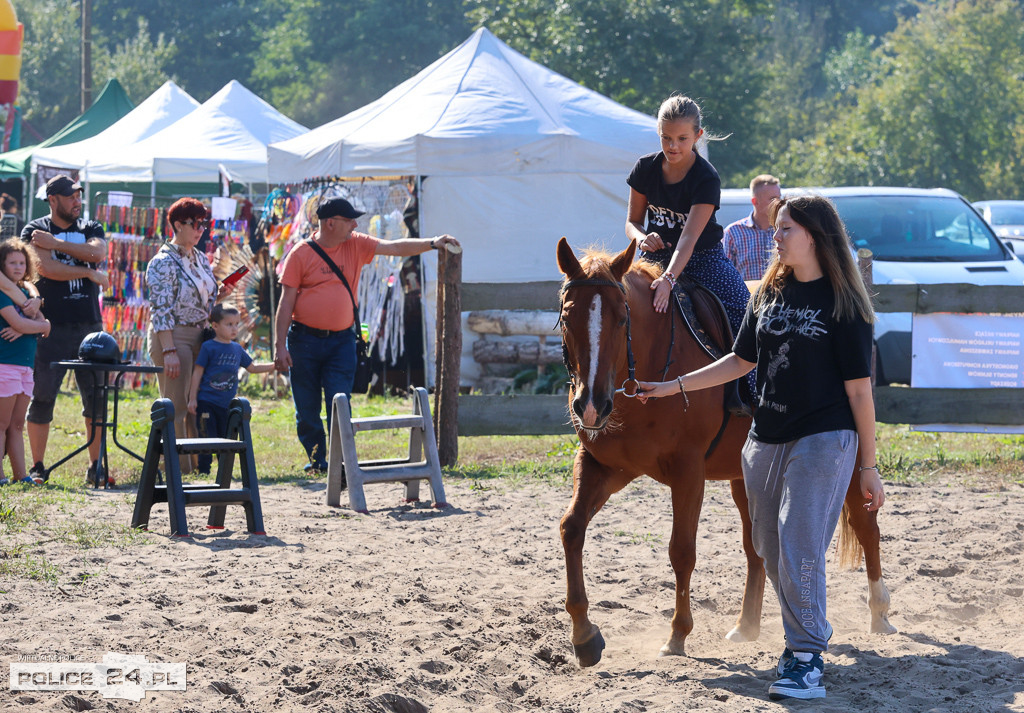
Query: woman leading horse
(611, 334)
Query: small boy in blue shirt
(215, 378)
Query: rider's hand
(651, 242)
(662, 291)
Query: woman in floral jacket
(182, 292)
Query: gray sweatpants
(796, 493)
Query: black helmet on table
(99, 347)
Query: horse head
(595, 330)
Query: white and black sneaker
(786, 660)
(802, 679)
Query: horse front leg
(687, 497)
(590, 492)
(748, 625)
(865, 526)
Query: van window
(1007, 214)
(918, 228)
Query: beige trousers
(186, 341)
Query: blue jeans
(324, 365)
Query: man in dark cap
(68, 251)
(315, 340)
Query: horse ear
(568, 263)
(620, 265)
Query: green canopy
(110, 105)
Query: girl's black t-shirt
(804, 356)
(668, 204)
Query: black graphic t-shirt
(668, 204)
(803, 356)
(68, 301)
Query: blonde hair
(680, 108)
(819, 217)
(765, 179)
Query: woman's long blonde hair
(819, 217)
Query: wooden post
(864, 263)
(448, 346)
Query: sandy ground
(411, 609)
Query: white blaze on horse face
(594, 332)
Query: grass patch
(30, 516)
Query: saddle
(705, 318)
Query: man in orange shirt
(315, 338)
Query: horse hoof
(589, 652)
(882, 626)
(738, 636)
(667, 650)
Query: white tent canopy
(481, 109)
(230, 130)
(516, 156)
(165, 106)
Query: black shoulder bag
(361, 382)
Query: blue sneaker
(786, 660)
(803, 679)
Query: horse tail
(850, 551)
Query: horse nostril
(606, 410)
(577, 406)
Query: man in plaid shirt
(748, 242)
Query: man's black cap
(335, 207)
(62, 186)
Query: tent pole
(423, 284)
(30, 203)
(152, 191)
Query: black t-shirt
(68, 301)
(668, 204)
(803, 356)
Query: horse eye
(622, 322)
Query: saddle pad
(704, 316)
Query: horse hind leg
(860, 527)
(687, 496)
(748, 625)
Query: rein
(630, 361)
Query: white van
(917, 236)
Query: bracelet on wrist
(682, 390)
(433, 243)
(669, 277)
(172, 350)
(867, 467)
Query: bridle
(630, 361)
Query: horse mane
(596, 261)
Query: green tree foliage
(820, 92)
(943, 108)
(217, 40)
(639, 52)
(50, 85)
(140, 64)
(322, 60)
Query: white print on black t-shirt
(665, 217)
(776, 361)
(75, 291)
(779, 320)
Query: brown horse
(606, 316)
